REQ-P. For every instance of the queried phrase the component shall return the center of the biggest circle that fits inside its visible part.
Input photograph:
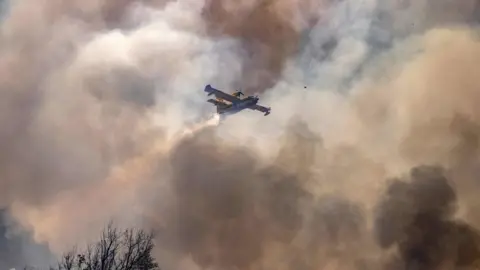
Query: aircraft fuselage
(237, 107)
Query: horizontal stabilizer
(217, 103)
(213, 101)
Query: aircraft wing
(219, 94)
(261, 109)
(216, 102)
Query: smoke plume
(103, 116)
(418, 217)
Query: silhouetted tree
(129, 249)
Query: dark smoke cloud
(230, 212)
(335, 227)
(270, 33)
(227, 209)
(417, 216)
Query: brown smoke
(269, 31)
(418, 216)
(230, 213)
(56, 137)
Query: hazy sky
(103, 117)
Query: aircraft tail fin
(209, 89)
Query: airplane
(236, 104)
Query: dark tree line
(129, 249)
